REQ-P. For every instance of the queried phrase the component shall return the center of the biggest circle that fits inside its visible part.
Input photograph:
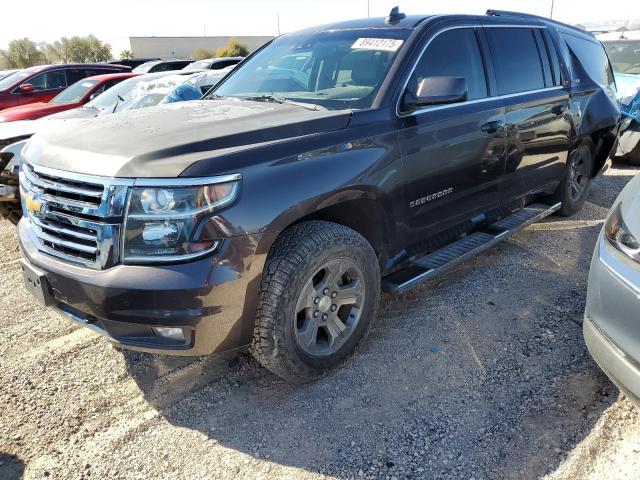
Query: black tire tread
(288, 253)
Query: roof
(106, 66)
(112, 76)
(410, 21)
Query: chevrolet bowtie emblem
(33, 206)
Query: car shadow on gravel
(11, 467)
(481, 373)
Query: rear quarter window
(593, 59)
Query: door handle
(492, 127)
(559, 109)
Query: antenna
(394, 16)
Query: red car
(73, 97)
(42, 83)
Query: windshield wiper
(275, 99)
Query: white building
(183, 47)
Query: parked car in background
(133, 62)
(611, 327)
(270, 213)
(214, 63)
(196, 86)
(42, 83)
(161, 66)
(72, 97)
(131, 94)
(625, 60)
(6, 73)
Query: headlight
(620, 237)
(168, 224)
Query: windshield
(75, 92)
(199, 65)
(340, 69)
(11, 80)
(624, 56)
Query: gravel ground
(482, 373)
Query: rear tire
(576, 183)
(318, 298)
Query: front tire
(318, 298)
(576, 183)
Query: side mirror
(26, 88)
(439, 91)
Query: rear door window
(454, 53)
(516, 60)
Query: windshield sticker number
(380, 44)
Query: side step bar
(425, 268)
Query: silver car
(612, 317)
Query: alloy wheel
(329, 307)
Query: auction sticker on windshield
(384, 44)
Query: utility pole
(278, 21)
(204, 30)
(368, 10)
(551, 16)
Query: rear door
(537, 108)
(453, 155)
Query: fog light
(170, 333)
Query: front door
(453, 155)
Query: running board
(425, 268)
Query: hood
(163, 141)
(24, 112)
(26, 128)
(19, 129)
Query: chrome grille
(74, 217)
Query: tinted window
(592, 58)
(76, 74)
(516, 60)
(48, 80)
(454, 53)
(553, 55)
(544, 58)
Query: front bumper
(612, 326)
(206, 298)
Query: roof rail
(507, 13)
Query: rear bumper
(206, 298)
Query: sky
(115, 20)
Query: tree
(22, 53)
(83, 49)
(233, 49)
(126, 55)
(201, 54)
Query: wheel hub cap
(329, 307)
(325, 304)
